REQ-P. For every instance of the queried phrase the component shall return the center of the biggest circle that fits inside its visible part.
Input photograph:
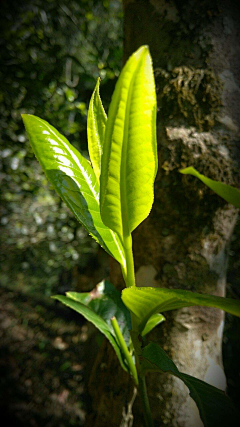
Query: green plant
(111, 197)
(227, 192)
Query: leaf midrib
(123, 176)
(95, 196)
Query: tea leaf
(152, 322)
(74, 180)
(215, 408)
(129, 160)
(94, 318)
(96, 124)
(144, 302)
(105, 300)
(227, 192)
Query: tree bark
(183, 243)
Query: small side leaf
(94, 318)
(129, 160)
(74, 180)
(105, 300)
(96, 124)
(215, 408)
(227, 192)
(152, 322)
(144, 302)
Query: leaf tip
(188, 170)
(141, 52)
(145, 47)
(24, 117)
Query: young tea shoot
(110, 198)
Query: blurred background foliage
(52, 53)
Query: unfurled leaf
(227, 192)
(96, 124)
(215, 408)
(144, 302)
(105, 300)
(94, 318)
(74, 180)
(129, 160)
(152, 322)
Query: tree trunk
(183, 243)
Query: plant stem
(127, 244)
(142, 389)
(145, 402)
(139, 378)
(124, 348)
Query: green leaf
(74, 180)
(152, 322)
(129, 160)
(215, 408)
(105, 300)
(144, 302)
(94, 318)
(227, 192)
(96, 124)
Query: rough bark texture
(183, 243)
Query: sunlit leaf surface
(96, 124)
(144, 302)
(129, 161)
(74, 180)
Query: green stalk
(127, 244)
(140, 383)
(145, 402)
(129, 278)
(142, 389)
(124, 348)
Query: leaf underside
(146, 301)
(215, 408)
(74, 180)
(129, 160)
(105, 300)
(97, 313)
(227, 192)
(152, 322)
